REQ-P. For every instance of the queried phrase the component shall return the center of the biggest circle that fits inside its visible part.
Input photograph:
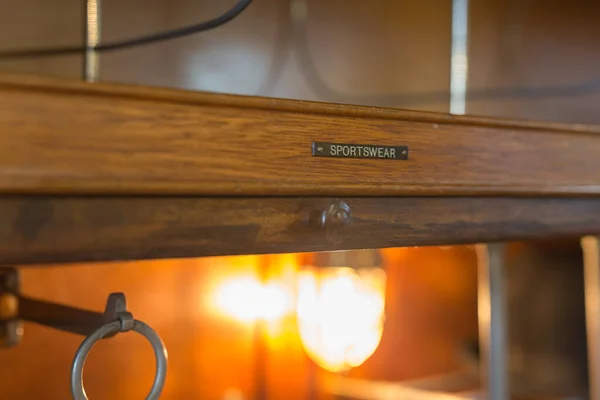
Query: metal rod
(493, 326)
(459, 63)
(591, 273)
(91, 61)
(58, 316)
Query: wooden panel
(521, 47)
(27, 24)
(46, 230)
(72, 137)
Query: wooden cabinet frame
(92, 171)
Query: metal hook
(119, 320)
(116, 310)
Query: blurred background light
(341, 308)
(339, 302)
(246, 299)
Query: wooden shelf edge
(69, 137)
(12, 81)
(38, 229)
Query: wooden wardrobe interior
(364, 51)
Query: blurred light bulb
(247, 300)
(341, 312)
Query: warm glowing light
(340, 314)
(247, 300)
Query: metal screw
(336, 220)
(11, 333)
(9, 306)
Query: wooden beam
(42, 229)
(67, 137)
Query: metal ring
(160, 353)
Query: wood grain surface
(67, 229)
(68, 137)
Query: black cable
(327, 93)
(144, 40)
(311, 73)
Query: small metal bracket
(116, 310)
(11, 328)
(15, 308)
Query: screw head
(335, 220)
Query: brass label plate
(371, 151)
